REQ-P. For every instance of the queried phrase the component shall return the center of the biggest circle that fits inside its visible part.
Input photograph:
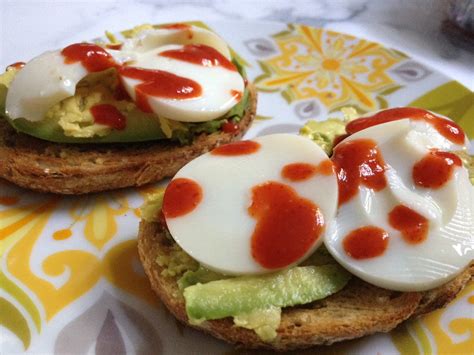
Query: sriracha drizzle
(200, 54)
(230, 127)
(304, 171)
(108, 115)
(447, 128)
(92, 57)
(237, 148)
(365, 242)
(181, 197)
(236, 94)
(287, 225)
(358, 162)
(161, 84)
(435, 169)
(412, 225)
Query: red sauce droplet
(287, 225)
(326, 167)
(246, 82)
(115, 46)
(230, 127)
(412, 225)
(109, 115)
(236, 94)
(160, 84)
(17, 65)
(181, 197)
(176, 26)
(237, 148)
(200, 54)
(366, 242)
(358, 162)
(304, 171)
(447, 128)
(298, 171)
(435, 169)
(91, 56)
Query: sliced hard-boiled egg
(189, 83)
(179, 72)
(406, 209)
(253, 207)
(434, 131)
(175, 34)
(40, 84)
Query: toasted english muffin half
(84, 168)
(357, 310)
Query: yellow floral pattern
(99, 216)
(336, 69)
(26, 235)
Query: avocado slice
(201, 275)
(243, 294)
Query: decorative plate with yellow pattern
(70, 278)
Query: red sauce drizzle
(200, 54)
(358, 162)
(230, 127)
(366, 242)
(412, 225)
(435, 169)
(236, 94)
(161, 84)
(237, 148)
(91, 56)
(109, 115)
(116, 46)
(17, 65)
(447, 128)
(176, 26)
(287, 225)
(304, 171)
(181, 197)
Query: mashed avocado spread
(323, 133)
(71, 121)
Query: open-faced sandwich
(96, 116)
(273, 243)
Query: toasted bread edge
(359, 309)
(84, 168)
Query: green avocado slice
(243, 294)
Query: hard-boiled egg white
(219, 87)
(48, 79)
(436, 134)
(448, 211)
(181, 34)
(40, 84)
(218, 230)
